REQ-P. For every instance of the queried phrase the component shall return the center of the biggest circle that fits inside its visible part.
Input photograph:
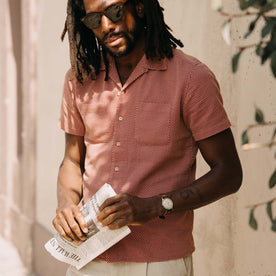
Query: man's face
(118, 38)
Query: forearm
(69, 186)
(217, 183)
(125, 209)
(224, 178)
(69, 220)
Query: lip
(114, 40)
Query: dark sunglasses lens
(92, 21)
(115, 13)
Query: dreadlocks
(86, 52)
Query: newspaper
(98, 239)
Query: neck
(133, 57)
(126, 64)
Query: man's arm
(224, 178)
(69, 221)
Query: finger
(63, 228)
(110, 201)
(81, 221)
(107, 211)
(63, 234)
(112, 218)
(74, 226)
(118, 224)
(60, 230)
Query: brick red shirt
(141, 139)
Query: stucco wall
(225, 244)
(52, 64)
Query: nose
(107, 25)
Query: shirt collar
(147, 64)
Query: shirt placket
(119, 143)
(122, 124)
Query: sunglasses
(114, 13)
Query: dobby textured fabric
(141, 139)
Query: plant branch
(261, 124)
(236, 15)
(246, 13)
(251, 146)
(260, 203)
(241, 48)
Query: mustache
(110, 35)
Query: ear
(140, 9)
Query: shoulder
(189, 65)
(71, 82)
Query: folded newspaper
(99, 238)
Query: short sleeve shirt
(141, 138)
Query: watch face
(167, 203)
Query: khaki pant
(179, 267)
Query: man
(135, 111)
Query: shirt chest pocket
(98, 122)
(153, 123)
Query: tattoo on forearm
(187, 193)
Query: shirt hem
(213, 131)
(146, 260)
(71, 130)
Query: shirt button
(120, 93)
(116, 169)
(118, 144)
(121, 118)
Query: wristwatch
(167, 204)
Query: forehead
(99, 5)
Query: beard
(131, 38)
(130, 43)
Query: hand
(70, 224)
(125, 209)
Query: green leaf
(267, 51)
(269, 210)
(272, 180)
(245, 138)
(242, 4)
(271, 2)
(252, 221)
(251, 3)
(259, 50)
(273, 63)
(273, 227)
(235, 61)
(268, 27)
(259, 116)
(273, 135)
(250, 29)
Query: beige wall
(52, 63)
(225, 243)
(33, 148)
(17, 124)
